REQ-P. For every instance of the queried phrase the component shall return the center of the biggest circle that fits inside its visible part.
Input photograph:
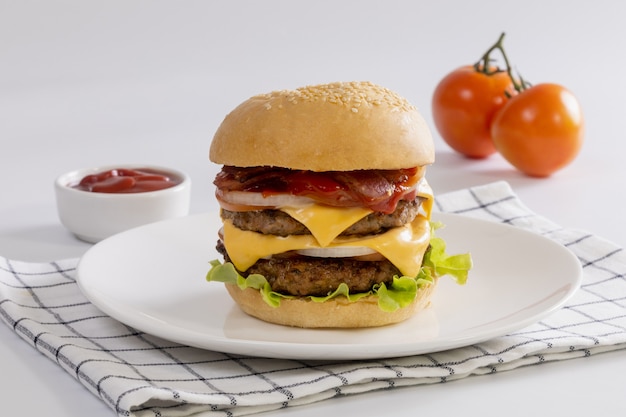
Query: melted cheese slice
(324, 222)
(403, 246)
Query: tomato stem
(484, 65)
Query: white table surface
(97, 83)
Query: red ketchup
(123, 180)
(379, 190)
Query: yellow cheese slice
(324, 222)
(403, 246)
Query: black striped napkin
(140, 375)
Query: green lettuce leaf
(438, 263)
(399, 294)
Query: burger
(326, 209)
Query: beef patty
(279, 223)
(304, 275)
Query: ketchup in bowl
(124, 180)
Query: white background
(90, 83)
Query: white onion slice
(337, 252)
(258, 200)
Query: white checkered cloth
(140, 375)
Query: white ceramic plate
(153, 278)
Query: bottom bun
(335, 313)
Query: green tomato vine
(486, 66)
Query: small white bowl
(93, 216)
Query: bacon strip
(379, 190)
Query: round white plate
(153, 279)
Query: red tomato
(463, 104)
(540, 130)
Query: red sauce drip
(379, 190)
(123, 180)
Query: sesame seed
(351, 95)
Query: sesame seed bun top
(330, 127)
